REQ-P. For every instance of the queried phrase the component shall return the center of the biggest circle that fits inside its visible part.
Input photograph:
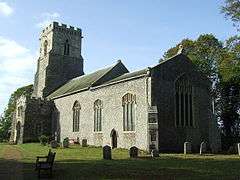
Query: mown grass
(87, 163)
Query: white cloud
(17, 68)
(5, 9)
(47, 18)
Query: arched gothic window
(76, 116)
(129, 104)
(98, 115)
(66, 48)
(45, 47)
(183, 102)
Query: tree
(6, 118)
(231, 9)
(204, 52)
(229, 72)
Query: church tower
(60, 58)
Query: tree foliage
(6, 118)
(231, 9)
(204, 52)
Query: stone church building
(158, 107)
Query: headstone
(78, 140)
(238, 147)
(203, 148)
(187, 148)
(133, 152)
(84, 143)
(107, 152)
(53, 144)
(65, 142)
(154, 153)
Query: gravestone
(53, 144)
(133, 152)
(238, 147)
(203, 148)
(187, 148)
(84, 143)
(107, 152)
(154, 153)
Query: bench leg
(38, 173)
(50, 172)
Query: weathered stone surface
(155, 153)
(171, 137)
(203, 148)
(133, 152)
(54, 67)
(34, 120)
(112, 112)
(187, 148)
(84, 143)
(107, 152)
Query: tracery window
(66, 48)
(45, 47)
(76, 116)
(129, 106)
(183, 102)
(98, 115)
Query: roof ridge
(110, 68)
(86, 80)
(168, 59)
(84, 75)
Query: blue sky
(138, 32)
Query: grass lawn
(87, 163)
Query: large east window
(183, 102)
(76, 116)
(98, 115)
(129, 106)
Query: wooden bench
(47, 164)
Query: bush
(66, 142)
(43, 140)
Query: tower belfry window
(45, 47)
(66, 48)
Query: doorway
(18, 128)
(114, 138)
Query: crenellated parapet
(57, 27)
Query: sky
(138, 32)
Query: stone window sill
(97, 132)
(129, 132)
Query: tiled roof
(80, 83)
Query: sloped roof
(129, 75)
(80, 83)
(102, 77)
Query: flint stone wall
(112, 114)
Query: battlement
(55, 26)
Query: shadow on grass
(140, 168)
